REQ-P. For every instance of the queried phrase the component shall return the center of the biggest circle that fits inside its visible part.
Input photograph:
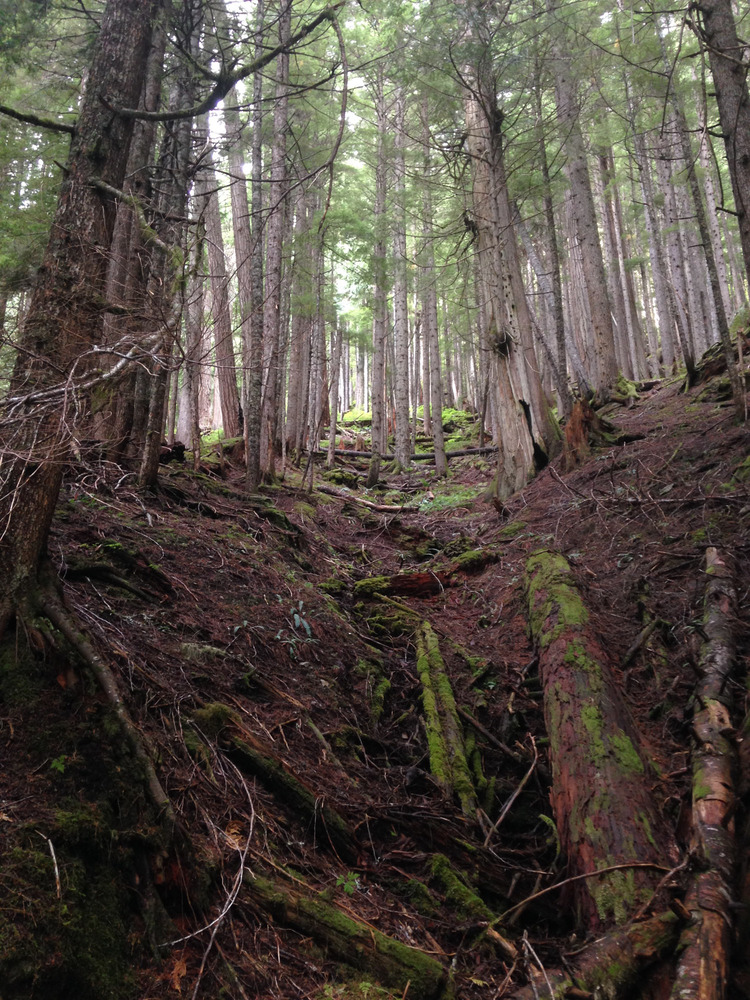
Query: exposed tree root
(703, 969)
(604, 809)
(51, 607)
(242, 749)
(392, 963)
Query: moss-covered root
(391, 963)
(604, 792)
(703, 968)
(444, 734)
(612, 967)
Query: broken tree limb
(390, 962)
(611, 967)
(604, 809)
(383, 508)
(703, 969)
(444, 732)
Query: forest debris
(444, 735)
(383, 508)
(392, 963)
(603, 806)
(703, 968)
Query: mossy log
(390, 962)
(703, 970)
(444, 731)
(611, 967)
(602, 783)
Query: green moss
(371, 586)
(194, 652)
(333, 585)
(377, 702)
(448, 760)
(626, 754)
(475, 560)
(616, 896)
(467, 904)
(21, 675)
(591, 718)
(554, 603)
(420, 898)
(512, 530)
(212, 718)
(360, 945)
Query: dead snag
(358, 944)
(602, 783)
(444, 731)
(612, 966)
(703, 970)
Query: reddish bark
(602, 782)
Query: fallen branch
(392, 963)
(383, 508)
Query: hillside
(330, 838)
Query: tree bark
(64, 320)
(727, 58)
(604, 809)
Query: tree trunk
(254, 374)
(380, 303)
(729, 69)
(277, 192)
(64, 320)
(585, 221)
(402, 447)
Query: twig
(578, 878)
(506, 808)
(54, 862)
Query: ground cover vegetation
(374, 502)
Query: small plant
(58, 764)
(349, 883)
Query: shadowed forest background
(374, 499)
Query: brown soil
(228, 606)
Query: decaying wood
(703, 969)
(391, 963)
(611, 967)
(383, 508)
(444, 732)
(603, 785)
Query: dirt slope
(317, 852)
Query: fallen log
(602, 782)
(705, 945)
(610, 968)
(390, 962)
(445, 738)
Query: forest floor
(280, 699)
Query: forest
(374, 500)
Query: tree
(65, 314)
(717, 29)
